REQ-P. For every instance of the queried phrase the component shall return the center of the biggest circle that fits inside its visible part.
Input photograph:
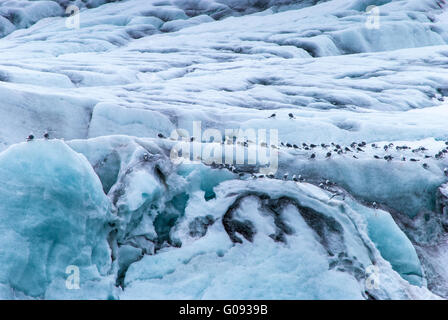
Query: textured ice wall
(53, 214)
(193, 219)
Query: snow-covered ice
(356, 90)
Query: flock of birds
(332, 150)
(329, 151)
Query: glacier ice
(361, 115)
(53, 215)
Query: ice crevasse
(185, 231)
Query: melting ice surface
(356, 210)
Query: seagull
(338, 194)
